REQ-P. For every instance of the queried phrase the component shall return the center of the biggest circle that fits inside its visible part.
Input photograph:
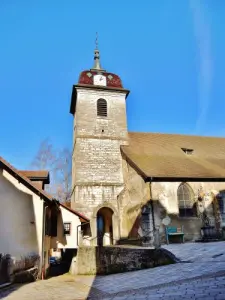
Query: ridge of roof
(74, 212)
(16, 173)
(175, 134)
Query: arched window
(221, 202)
(102, 108)
(187, 206)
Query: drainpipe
(152, 205)
(43, 239)
(155, 232)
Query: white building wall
(66, 241)
(21, 218)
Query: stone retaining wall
(109, 260)
(21, 270)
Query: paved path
(201, 276)
(197, 252)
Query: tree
(63, 174)
(58, 163)
(45, 157)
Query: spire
(97, 64)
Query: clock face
(99, 80)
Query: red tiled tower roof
(112, 80)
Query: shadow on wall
(151, 219)
(60, 237)
(148, 225)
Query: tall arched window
(187, 206)
(102, 108)
(221, 202)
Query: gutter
(186, 179)
(43, 240)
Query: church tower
(98, 104)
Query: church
(131, 185)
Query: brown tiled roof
(41, 175)
(159, 155)
(81, 216)
(21, 177)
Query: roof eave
(186, 179)
(133, 165)
(45, 180)
(81, 216)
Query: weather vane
(96, 40)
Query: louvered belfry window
(102, 108)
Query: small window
(102, 108)
(67, 228)
(187, 151)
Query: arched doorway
(105, 226)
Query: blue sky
(169, 53)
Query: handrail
(77, 231)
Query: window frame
(221, 203)
(70, 228)
(186, 198)
(102, 108)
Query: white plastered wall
(66, 241)
(21, 218)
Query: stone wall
(20, 270)
(96, 151)
(86, 121)
(5, 268)
(97, 177)
(135, 195)
(98, 161)
(109, 260)
(164, 195)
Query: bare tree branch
(59, 164)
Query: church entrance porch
(105, 227)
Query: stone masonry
(97, 162)
(103, 176)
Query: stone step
(130, 241)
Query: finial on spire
(97, 64)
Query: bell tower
(98, 104)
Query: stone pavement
(198, 251)
(201, 275)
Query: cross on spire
(97, 64)
(96, 41)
